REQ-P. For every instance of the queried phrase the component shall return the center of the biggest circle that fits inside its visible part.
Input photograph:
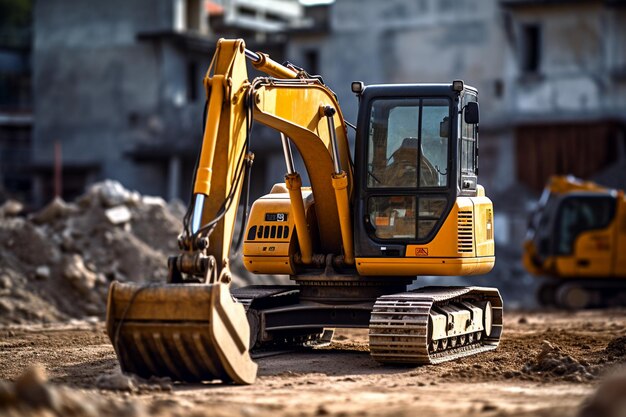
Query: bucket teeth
(190, 332)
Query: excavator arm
(191, 328)
(302, 109)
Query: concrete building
(119, 86)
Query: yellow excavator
(576, 242)
(352, 241)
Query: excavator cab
(409, 177)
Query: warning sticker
(421, 251)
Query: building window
(194, 15)
(193, 82)
(311, 61)
(498, 88)
(530, 58)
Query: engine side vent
(466, 231)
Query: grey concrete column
(173, 178)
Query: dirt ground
(56, 360)
(525, 376)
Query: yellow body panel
(265, 250)
(425, 266)
(592, 255)
(466, 233)
(465, 250)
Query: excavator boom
(196, 331)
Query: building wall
(119, 85)
(572, 73)
(91, 74)
(15, 100)
(408, 42)
(575, 93)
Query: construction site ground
(548, 364)
(55, 359)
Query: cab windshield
(407, 167)
(408, 143)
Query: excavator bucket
(188, 332)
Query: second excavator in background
(352, 242)
(576, 243)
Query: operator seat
(402, 172)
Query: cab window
(469, 136)
(580, 214)
(408, 143)
(404, 217)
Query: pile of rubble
(58, 263)
(554, 362)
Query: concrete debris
(153, 201)
(118, 215)
(74, 270)
(31, 388)
(11, 208)
(54, 210)
(177, 208)
(58, 263)
(42, 272)
(109, 193)
(554, 362)
(117, 382)
(5, 282)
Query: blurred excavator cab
(577, 243)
